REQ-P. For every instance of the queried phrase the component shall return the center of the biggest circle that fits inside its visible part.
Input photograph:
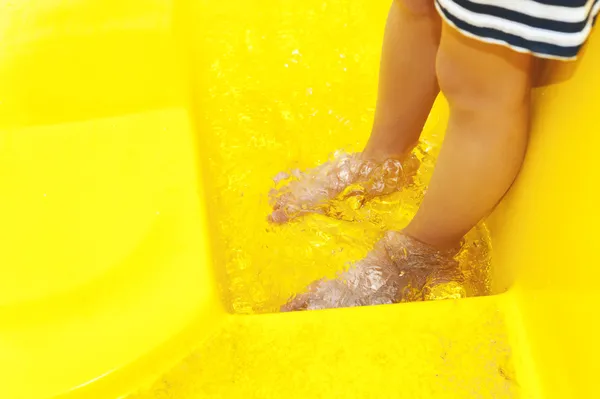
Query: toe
(299, 302)
(278, 216)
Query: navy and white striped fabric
(545, 28)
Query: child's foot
(347, 175)
(398, 269)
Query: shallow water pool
(274, 98)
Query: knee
(484, 82)
(418, 7)
(461, 85)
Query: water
(283, 90)
(267, 263)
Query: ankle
(440, 243)
(379, 156)
(387, 142)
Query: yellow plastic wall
(110, 266)
(102, 247)
(545, 232)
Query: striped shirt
(546, 28)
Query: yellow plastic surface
(111, 250)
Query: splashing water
(398, 268)
(346, 176)
(278, 261)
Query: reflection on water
(282, 90)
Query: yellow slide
(137, 142)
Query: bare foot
(398, 269)
(346, 175)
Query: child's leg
(488, 89)
(407, 89)
(407, 79)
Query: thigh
(418, 7)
